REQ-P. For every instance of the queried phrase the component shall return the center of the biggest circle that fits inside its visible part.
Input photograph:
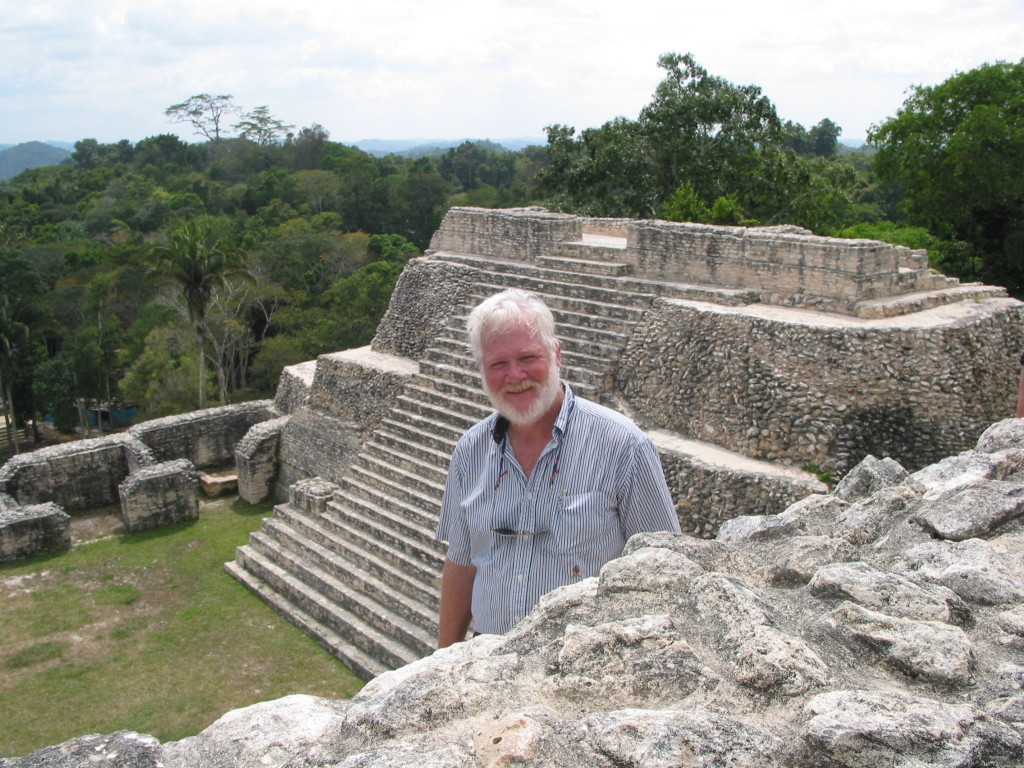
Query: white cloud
(480, 68)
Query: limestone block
(206, 438)
(359, 385)
(992, 503)
(853, 729)
(293, 386)
(255, 735)
(968, 468)
(868, 477)
(804, 556)
(163, 494)
(924, 650)
(889, 592)
(1008, 433)
(79, 475)
(33, 530)
(972, 569)
(634, 662)
(217, 485)
(667, 739)
(256, 459)
(742, 624)
(868, 519)
(123, 749)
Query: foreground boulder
(881, 624)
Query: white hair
(506, 311)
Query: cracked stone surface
(881, 624)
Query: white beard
(547, 395)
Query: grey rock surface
(848, 630)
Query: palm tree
(194, 257)
(13, 334)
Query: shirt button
(529, 495)
(520, 577)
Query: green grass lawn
(146, 632)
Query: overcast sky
(438, 69)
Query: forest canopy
(172, 275)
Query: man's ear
(558, 352)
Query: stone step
(438, 411)
(616, 337)
(391, 503)
(440, 434)
(406, 457)
(442, 373)
(388, 652)
(329, 530)
(386, 436)
(895, 306)
(562, 271)
(472, 403)
(429, 482)
(626, 284)
(362, 482)
(587, 266)
(412, 555)
(354, 588)
(584, 354)
(367, 520)
(575, 374)
(470, 392)
(610, 306)
(412, 428)
(353, 657)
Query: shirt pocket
(583, 522)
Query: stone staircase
(355, 565)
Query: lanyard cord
(502, 426)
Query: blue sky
(397, 69)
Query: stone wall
(27, 531)
(256, 460)
(206, 438)
(786, 265)
(314, 443)
(80, 475)
(162, 494)
(517, 234)
(821, 392)
(359, 385)
(427, 293)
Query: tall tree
(957, 149)
(195, 257)
(260, 127)
(704, 129)
(14, 335)
(20, 314)
(204, 112)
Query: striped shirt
(598, 482)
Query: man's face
(520, 375)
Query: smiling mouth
(516, 389)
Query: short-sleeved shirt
(598, 482)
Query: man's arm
(456, 603)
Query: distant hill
(31, 154)
(426, 147)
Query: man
(545, 491)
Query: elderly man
(545, 491)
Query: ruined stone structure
(881, 624)
(149, 471)
(747, 354)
